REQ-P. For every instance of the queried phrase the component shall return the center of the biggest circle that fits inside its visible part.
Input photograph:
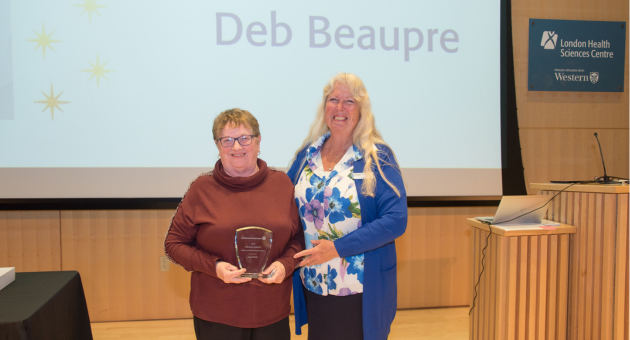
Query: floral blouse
(329, 208)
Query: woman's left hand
(277, 277)
(322, 251)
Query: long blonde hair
(365, 137)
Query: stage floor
(417, 324)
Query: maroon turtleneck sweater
(202, 233)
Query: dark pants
(207, 330)
(334, 317)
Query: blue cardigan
(384, 218)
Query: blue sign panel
(572, 55)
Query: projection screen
(115, 99)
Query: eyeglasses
(243, 140)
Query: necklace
(336, 160)
(335, 156)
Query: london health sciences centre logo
(549, 39)
(576, 55)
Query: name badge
(358, 176)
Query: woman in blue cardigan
(353, 205)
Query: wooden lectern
(522, 293)
(598, 260)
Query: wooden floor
(417, 324)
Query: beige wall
(556, 128)
(117, 252)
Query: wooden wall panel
(573, 154)
(556, 128)
(118, 255)
(433, 257)
(30, 241)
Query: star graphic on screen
(44, 40)
(52, 102)
(98, 70)
(90, 6)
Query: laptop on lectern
(531, 207)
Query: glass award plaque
(253, 245)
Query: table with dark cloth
(44, 305)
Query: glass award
(253, 245)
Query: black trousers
(207, 330)
(334, 317)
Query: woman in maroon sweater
(241, 191)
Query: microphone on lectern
(605, 178)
